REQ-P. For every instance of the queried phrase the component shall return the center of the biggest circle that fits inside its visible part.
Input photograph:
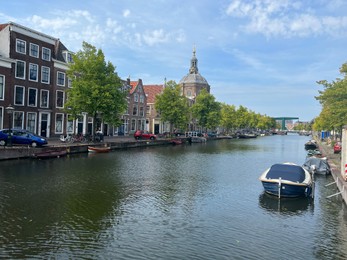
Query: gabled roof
(152, 91)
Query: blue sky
(263, 54)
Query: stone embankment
(22, 152)
(335, 164)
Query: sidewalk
(55, 141)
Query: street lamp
(9, 111)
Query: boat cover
(321, 165)
(288, 172)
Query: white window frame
(21, 113)
(142, 99)
(43, 70)
(32, 67)
(56, 100)
(15, 94)
(56, 123)
(17, 47)
(28, 127)
(28, 101)
(47, 91)
(31, 45)
(46, 51)
(136, 97)
(20, 61)
(2, 86)
(63, 78)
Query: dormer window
(67, 56)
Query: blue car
(21, 136)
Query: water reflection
(285, 206)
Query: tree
(228, 117)
(172, 106)
(96, 87)
(206, 110)
(334, 103)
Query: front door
(44, 124)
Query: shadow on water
(285, 206)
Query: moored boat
(93, 149)
(50, 154)
(287, 180)
(317, 166)
(311, 145)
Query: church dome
(193, 78)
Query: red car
(337, 147)
(144, 135)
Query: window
(60, 99)
(44, 98)
(31, 122)
(46, 54)
(135, 110)
(69, 83)
(19, 95)
(20, 46)
(59, 119)
(20, 69)
(61, 79)
(45, 74)
(2, 87)
(33, 72)
(133, 124)
(69, 57)
(32, 97)
(136, 97)
(141, 111)
(69, 124)
(34, 50)
(142, 98)
(18, 119)
(148, 110)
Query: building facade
(137, 106)
(153, 121)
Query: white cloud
(113, 26)
(155, 36)
(126, 13)
(284, 18)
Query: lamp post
(9, 111)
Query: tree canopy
(96, 88)
(172, 106)
(206, 110)
(334, 103)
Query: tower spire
(194, 63)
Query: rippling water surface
(202, 201)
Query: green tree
(172, 106)
(96, 87)
(334, 103)
(228, 117)
(206, 110)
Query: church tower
(193, 82)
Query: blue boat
(287, 180)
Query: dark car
(21, 136)
(144, 135)
(337, 147)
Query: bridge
(284, 119)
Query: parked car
(21, 136)
(337, 147)
(139, 134)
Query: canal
(199, 201)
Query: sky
(266, 55)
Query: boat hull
(287, 190)
(98, 149)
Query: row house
(33, 80)
(137, 103)
(153, 121)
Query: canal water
(199, 201)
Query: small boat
(311, 145)
(176, 141)
(287, 180)
(246, 136)
(317, 166)
(50, 154)
(93, 149)
(314, 153)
